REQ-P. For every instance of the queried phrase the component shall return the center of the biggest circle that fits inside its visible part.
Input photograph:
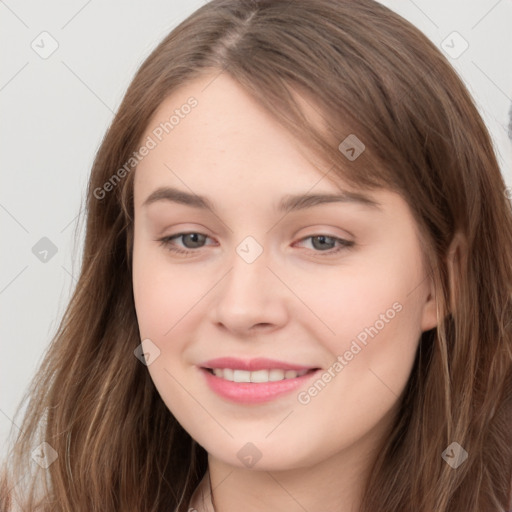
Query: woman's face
(260, 281)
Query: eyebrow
(287, 204)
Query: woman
(272, 371)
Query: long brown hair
(369, 73)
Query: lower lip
(257, 392)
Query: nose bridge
(249, 268)
(248, 294)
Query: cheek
(376, 320)
(345, 301)
(371, 314)
(163, 292)
(163, 300)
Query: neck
(328, 481)
(339, 481)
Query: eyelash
(167, 243)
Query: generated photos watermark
(305, 397)
(151, 142)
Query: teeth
(257, 376)
(241, 376)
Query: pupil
(194, 237)
(322, 240)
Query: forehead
(226, 135)
(212, 139)
(227, 155)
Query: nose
(250, 298)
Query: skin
(293, 303)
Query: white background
(55, 112)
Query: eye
(193, 240)
(326, 243)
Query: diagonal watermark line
(72, 220)
(486, 14)
(429, 275)
(9, 492)
(69, 223)
(186, 185)
(419, 284)
(383, 382)
(286, 417)
(14, 218)
(190, 309)
(14, 14)
(13, 279)
(75, 279)
(286, 490)
(87, 87)
(14, 76)
(199, 403)
(171, 170)
(301, 300)
(75, 15)
(12, 421)
(69, 273)
(210, 492)
(424, 13)
(214, 78)
(492, 81)
(309, 190)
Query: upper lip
(260, 363)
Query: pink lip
(260, 363)
(253, 392)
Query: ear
(429, 317)
(456, 252)
(455, 261)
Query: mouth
(255, 387)
(258, 376)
